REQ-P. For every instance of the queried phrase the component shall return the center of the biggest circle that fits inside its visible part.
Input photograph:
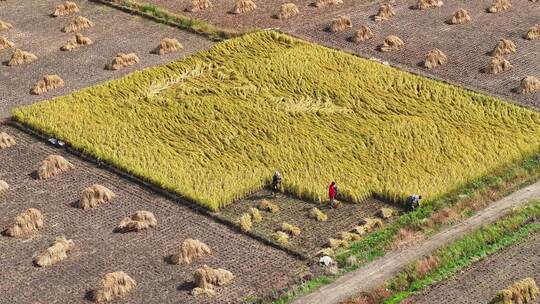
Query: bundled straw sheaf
(533, 33)
(243, 6)
(5, 44)
(529, 84)
(504, 47)
(94, 196)
(391, 43)
(521, 292)
(337, 243)
(291, 229)
(268, 206)
(425, 4)
(386, 213)
(281, 237)
(78, 23)
(323, 3)
(168, 45)
(52, 166)
(5, 25)
(317, 214)
(435, 58)
(4, 186)
(114, 285)
(206, 278)
(498, 64)
(67, 8)
(499, 6)
(190, 250)
(288, 10)
(6, 140)
(25, 223)
(245, 222)
(123, 60)
(385, 12)
(256, 215)
(362, 34)
(20, 57)
(76, 42)
(198, 5)
(340, 24)
(49, 82)
(138, 221)
(55, 253)
(459, 17)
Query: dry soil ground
(314, 235)
(480, 282)
(257, 267)
(114, 31)
(379, 271)
(466, 46)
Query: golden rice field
(213, 127)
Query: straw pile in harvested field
(6, 140)
(435, 58)
(268, 206)
(5, 25)
(25, 223)
(318, 215)
(94, 196)
(533, 33)
(385, 12)
(243, 6)
(245, 222)
(369, 224)
(55, 253)
(78, 23)
(425, 4)
(340, 24)
(323, 3)
(123, 60)
(498, 64)
(76, 42)
(459, 17)
(138, 221)
(198, 5)
(521, 292)
(504, 47)
(206, 278)
(336, 243)
(387, 213)
(52, 166)
(288, 10)
(499, 6)
(67, 8)
(529, 84)
(168, 45)
(291, 229)
(21, 57)
(4, 186)
(113, 285)
(5, 44)
(256, 215)
(190, 250)
(348, 236)
(49, 82)
(362, 34)
(391, 43)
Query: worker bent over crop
(413, 201)
(276, 182)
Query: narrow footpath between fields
(375, 273)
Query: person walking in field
(413, 201)
(332, 192)
(276, 182)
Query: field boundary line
(375, 273)
(156, 189)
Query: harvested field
(34, 30)
(480, 283)
(314, 234)
(99, 250)
(467, 45)
(211, 126)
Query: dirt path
(377, 272)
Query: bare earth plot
(114, 31)
(480, 282)
(257, 267)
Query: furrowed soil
(480, 282)
(114, 31)
(257, 268)
(314, 235)
(467, 46)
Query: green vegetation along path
(377, 272)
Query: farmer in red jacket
(332, 192)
